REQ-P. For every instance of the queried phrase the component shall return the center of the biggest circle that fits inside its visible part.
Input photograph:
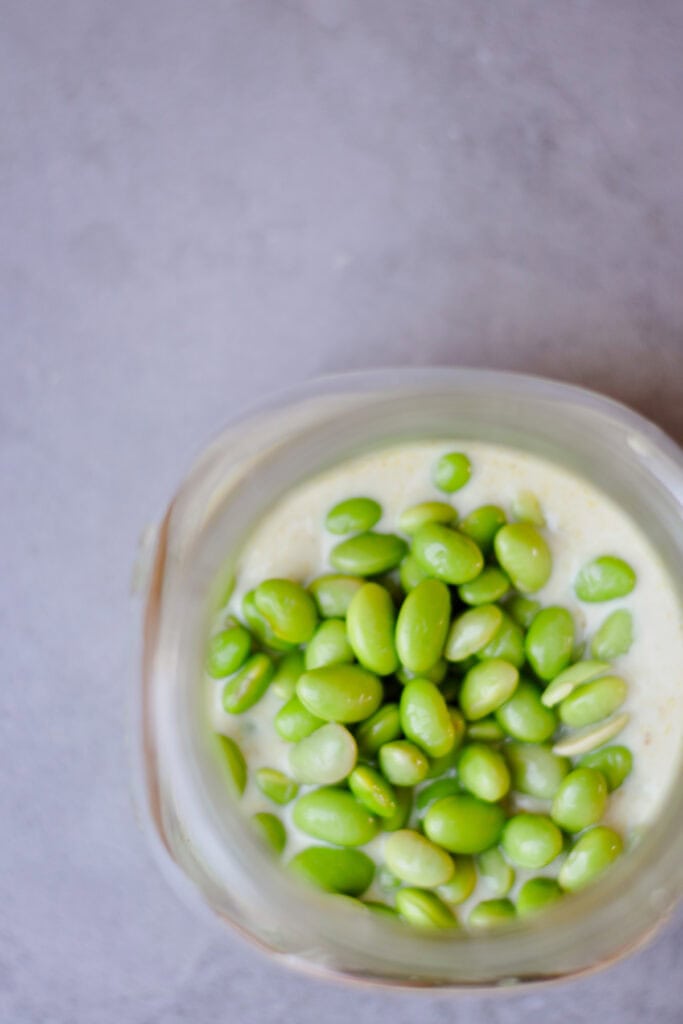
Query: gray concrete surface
(200, 203)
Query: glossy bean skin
(522, 610)
(370, 623)
(276, 785)
(271, 830)
(354, 515)
(462, 884)
(286, 675)
(372, 790)
(536, 894)
(411, 519)
(614, 637)
(446, 554)
(604, 579)
(288, 609)
(568, 680)
(329, 646)
(592, 854)
(260, 626)
(233, 763)
(436, 791)
(451, 472)
(227, 651)
(339, 871)
(425, 719)
(482, 525)
(592, 702)
(248, 685)
(335, 816)
(535, 770)
(368, 554)
(380, 728)
(325, 757)
(496, 874)
(580, 800)
(491, 914)
(524, 555)
(422, 626)
(404, 806)
(333, 593)
(486, 687)
(483, 772)
(549, 642)
(464, 824)
(593, 736)
(340, 693)
(294, 722)
(403, 763)
(490, 585)
(411, 573)
(472, 631)
(524, 717)
(614, 763)
(531, 840)
(424, 909)
(416, 861)
(506, 643)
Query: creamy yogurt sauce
(582, 523)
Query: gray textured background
(200, 202)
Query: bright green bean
(490, 585)
(247, 686)
(482, 525)
(277, 786)
(380, 728)
(287, 672)
(425, 718)
(233, 763)
(614, 763)
(592, 854)
(581, 800)
(411, 519)
(486, 730)
(614, 637)
(411, 573)
(604, 579)
(440, 765)
(260, 626)
(506, 643)
(462, 884)
(451, 472)
(486, 687)
(464, 824)
(524, 717)
(354, 515)
(271, 830)
(531, 840)
(338, 871)
(523, 610)
(327, 756)
(288, 609)
(536, 771)
(536, 894)
(592, 702)
(446, 554)
(472, 630)
(484, 772)
(436, 674)
(372, 790)
(496, 874)
(370, 622)
(435, 791)
(335, 816)
(422, 626)
(491, 914)
(368, 554)
(424, 909)
(591, 737)
(402, 763)
(524, 555)
(404, 802)
(417, 861)
(550, 641)
(294, 722)
(329, 645)
(333, 594)
(340, 693)
(567, 681)
(228, 650)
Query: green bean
(333, 594)
(496, 874)
(483, 772)
(482, 525)
(491, 914)
(380, 728)
(417, 861)
(404, 806)
(446, 554)
(614, 637)
(402, 763)
(435, 791)
(368, 554)
(435, 674)
(287, 672)
(592, 702)
(536, 894)
(523, 610)
(424, 909)
(524, 717)
(592, 854)
(228, 650)
(464, 824)
(337, 871)
(372, 790)
(271, 830)
(486, 730)
(524, 555)
(451, 472)
(411, 573)
(340, 693)
(581, 800)
(425, 719)
(325, 757)
(329, 645)
(355, 515)
(506, 643)
(535, 770)
(462, 884)
(604, 579)
(614, 763)
(490, 585)
(487, 687)
(440, 765)
(277, 786)
(471, 631)
(422, 626)
(411, 519)
(334, 816)
(260, 626)
(288, 609)
(550, 641)
(567, 681)
(233, 763)
(294, 722)
(594, 736)
(531, 840)
(370, 621)
(247, 686)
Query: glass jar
(199, 833)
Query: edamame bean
(614, 763)
(329, 645)
(536, 771)
(464, 824)
(486, 687)
(355, 515)
(333, 594)
(614, 637)
(549, 642)
(424, 909)
(483, 771)
(334, 816)
(368, 554)
(277, 786)
(482, 525)
(404, 802)
(536, 894)
(471, 631)
(340, 693)
(580, 801)
(325, 757)
(604, 579)
(462, 884)
(339, 871)
(592, 854)
(531, 840)
(416, 860)
(425, 718)
(567, 681)
(370, 622)
(524, 717)
(411, 519)
(435, 674)
(228, 650)
(491, 914)
(486, 730)
(233, 763)
(411, 573)
(451, 472)
(402, 763)
(506, 643)
(490, 585)
(524, 555)
(436, 791)
(372, 790)
(446, 554)
(441, 765)
(259, 626)
(594, 736)
(422, 626)
(294, 722)
(288, 609)
(523, 610)
(271, 830)
(495, 873)
(592, 702)
(287, 672)
(380, 728)
(247, 686)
